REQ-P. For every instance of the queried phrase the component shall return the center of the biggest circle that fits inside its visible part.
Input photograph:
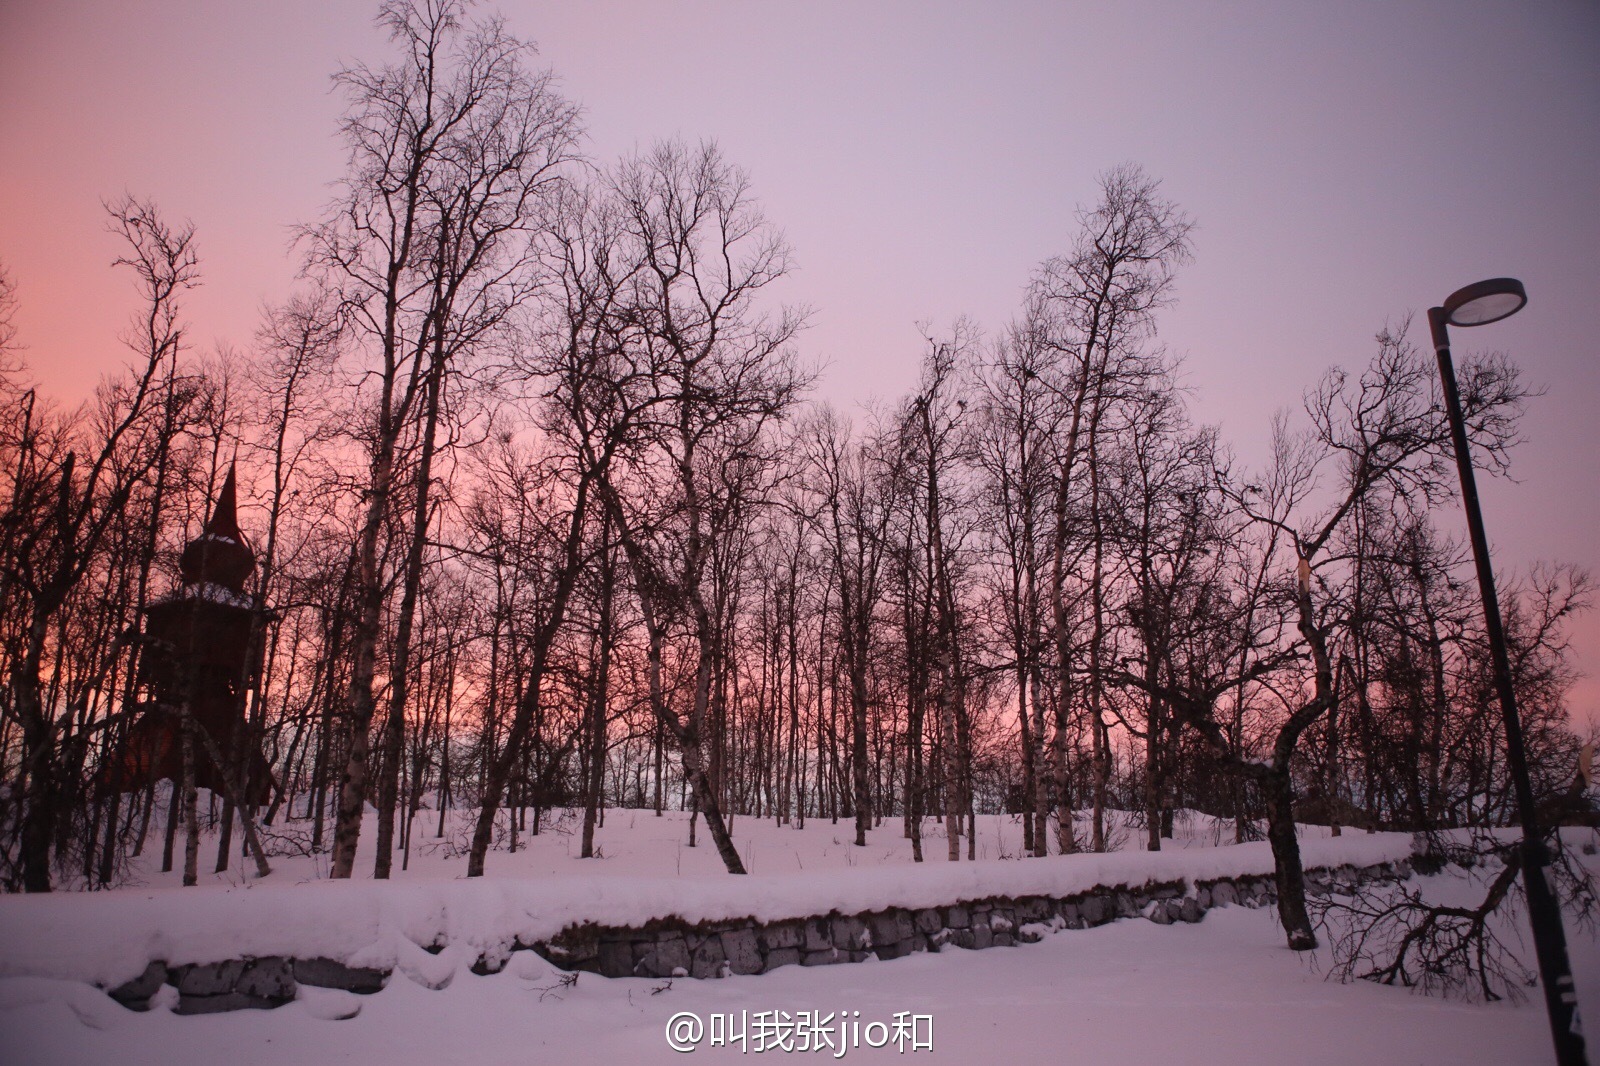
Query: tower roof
(224, 521)
(220, 555)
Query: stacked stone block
(671, 947)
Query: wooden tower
(203, 651)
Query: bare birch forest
(547, 519)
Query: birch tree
(1095, 307)
(454, 149)
(714, 374)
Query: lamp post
(1478, 305)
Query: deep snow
(1223, 991)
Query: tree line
(547, 520)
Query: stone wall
(672, 947)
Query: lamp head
(1485, 301)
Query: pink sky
(1346, 163)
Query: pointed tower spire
(220, 555)
(224, 521)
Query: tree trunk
(359, 708)
(400, 665)
(191, 824)
(39, 790)
(597, 699)
(1292, 914)
(858, 733)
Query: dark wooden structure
(202, 650)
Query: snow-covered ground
(1225, 990)
(640, 842)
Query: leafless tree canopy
(546, 520)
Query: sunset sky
(1346, 164)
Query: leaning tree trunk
(693, 765)
(1277, 784)
(500, 768)
(1279, 791)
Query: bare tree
(591, 405)
(56, 515)
(1095, 307)
(856, 502)
(712, 373)
(453, 150)
(1012, 451)
(1404, 933)
(1166, 524)
(1383, 434)
(931, 429)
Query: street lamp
(1477, 305)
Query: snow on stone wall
(252, 946)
